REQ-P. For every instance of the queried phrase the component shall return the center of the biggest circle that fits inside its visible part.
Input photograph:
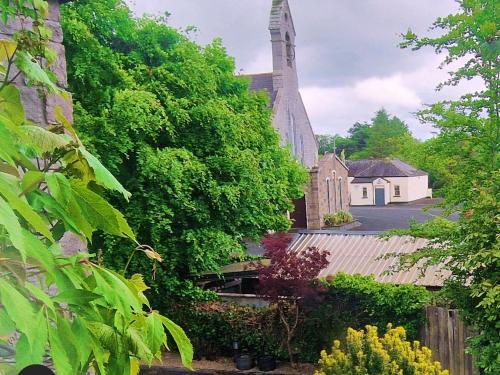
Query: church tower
(283, 46)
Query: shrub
(213, 326)
(338, 218)
(367, 353)
(345, 301)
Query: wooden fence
(446, 335)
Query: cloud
(390, 90)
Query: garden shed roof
(360, 254)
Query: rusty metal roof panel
(361, 254)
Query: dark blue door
(380, 197)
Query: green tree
(333, 144)
(385, 136)
(195, 148)
(469, 128)
(68, 310)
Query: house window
(365, 192)
(397, 191)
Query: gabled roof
(263, 81)
(382, 168)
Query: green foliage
(194, 147)
(338, 218)
(213, 327)
(346, 301)
(469, 132)
(69, 309)
(367, 353)
(433, 228)
(355, 301)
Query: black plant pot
(266, 363)
(244, 362)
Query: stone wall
(40, 107)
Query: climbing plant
(65, 310)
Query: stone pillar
(312, 201)
(38, 105)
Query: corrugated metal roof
(358, 254)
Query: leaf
(137, 345)
(58, 113)
(55, 209)
(99, 212)
(60, 189)
(7, 49)
(85, 345)
(60, 358)
(137, 282)
(14, 302)
(7, 326)
(102, 175)
(30, 180)
(27, 354)
(24, 209)
(154, 333)
(116, 291)
(181, 340)
(11, 224)
(8, 151)
(44, 141)
(33, 71)
(76, 297)
(40, 295)
(10, 104)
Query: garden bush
(345, 301)
(213, 326)
(367, 353)
(338, 218)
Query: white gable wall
(411, 189)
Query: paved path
(374, 218)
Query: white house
(383, 181)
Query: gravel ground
(172, 361)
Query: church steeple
(283, 42)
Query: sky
(348, 60)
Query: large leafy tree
(183, 133)
(69, 311)
(470, 130)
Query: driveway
(392, 216)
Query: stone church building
(328, 187)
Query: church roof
(263, 81)
(382, 168)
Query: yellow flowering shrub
(368, 354)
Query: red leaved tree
(289, 280)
